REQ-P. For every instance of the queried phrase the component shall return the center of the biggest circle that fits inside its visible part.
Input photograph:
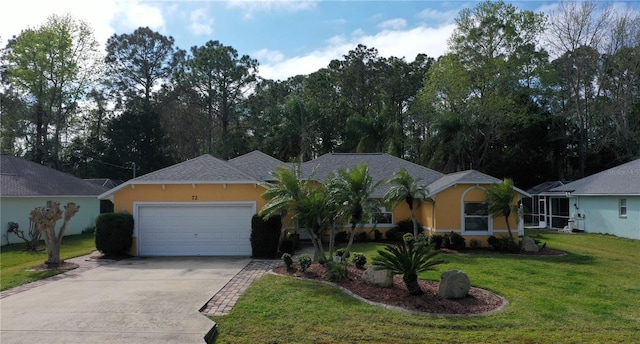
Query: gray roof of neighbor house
(205, 168)
(381, 167)
(23, 178)
(620, 180)
(258, 164)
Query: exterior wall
(124, 198)
(17, 209)
(601, 215)
(449, 214)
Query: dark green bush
(288, 260)
(361, 236)
(341, 237)
(400, 229)
(454, 241)
(359, 259)
(377, 235)
(305, 261)
(340, 253)
(114, 233)
(265, 235)
(436, 241)
(503, 244)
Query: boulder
(454, 284)
(529, 245)
(380, 278)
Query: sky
(287, 38)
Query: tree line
(520, 94)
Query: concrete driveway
(138, 300)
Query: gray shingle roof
(381, 167)
(24, 178)
(463, 177)
(205, 168)
(620, 180)
(257, 164)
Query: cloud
(434, 15)
(103, 16)
(201, 24)
(272, 5)
(394, 24)
(431, 41)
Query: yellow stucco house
(204, 206)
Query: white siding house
(607, 202)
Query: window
(476, 217)
(383, 217)
(623, 207)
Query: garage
(194, 229)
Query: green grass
(591, 295)
(15, 261)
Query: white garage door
(194, 229)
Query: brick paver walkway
(224, 300)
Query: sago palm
(408, 259)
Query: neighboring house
(25, 185)
(607, 202)
(204, 206)
(546, 208)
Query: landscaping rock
(380, 278)
(529, 245)
(454, 284)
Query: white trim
(137, 205)
(475, 183)
(463, 231)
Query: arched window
(475, 216)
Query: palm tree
(500, 198)
(314, 211)
(408, 259)
(405, 188)
(352, 189)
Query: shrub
(305, 261)
(341, 236)
(377, 235)
(392, 234)
(114, 233)
(475, 244)
(336, 272)
(455, 241)
(265, 235)
(288, 261)
(361, 236)
(436, 241)
(89, 230)
(340, 252)
(286, 246)
(503, 244)
(359, 259)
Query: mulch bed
(477, 302)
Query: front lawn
(15, 261)
(588, 296)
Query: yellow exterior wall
(123, 199)
(448, 212)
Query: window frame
(622, 208)
(482, 215)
